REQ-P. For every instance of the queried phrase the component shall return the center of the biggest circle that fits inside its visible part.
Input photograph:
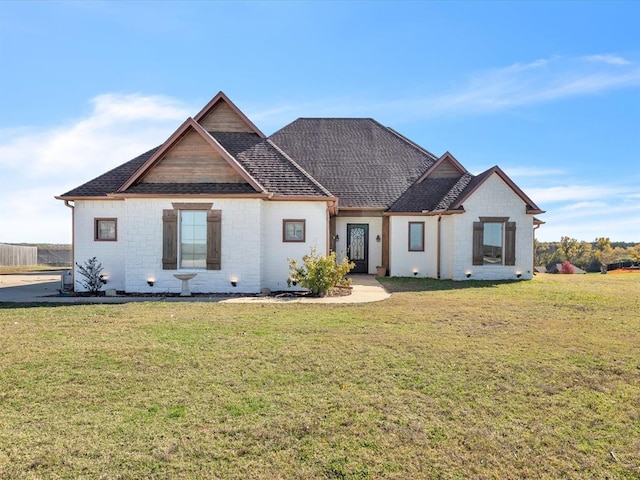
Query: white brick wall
(275, 264)
(109, 254)
(252, 248)
(403, 262)
(493, 198)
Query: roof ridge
(302, 170)
(451, 196)
(410, 142)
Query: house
(220, 199)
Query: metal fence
(16, 255)
(54, 257)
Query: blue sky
(549, 91)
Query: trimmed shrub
(319, 274)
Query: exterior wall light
(337, 237)
(234, 281)
(150, 281)
(415, 271)
(104, 278)
(468, 274)
(518, 274)
(378, 238)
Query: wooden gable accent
(221, 115)
(179, 157)
(446, 167)
(192, 160)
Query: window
(105, 230)
(191, 237)
(293, 230)
(416, 236)
(494, 241)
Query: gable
(222, 118)
(192, 160)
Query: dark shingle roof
(432, 194)
(360, 161)
(191, 188)
(112, 180)
(268, 165)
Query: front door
(358, 246)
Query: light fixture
(468, 274)
(234, 281)
(415, 271)
(104, 278)
(337, 237)
(378, 238)
(518, 274)
(150, 281)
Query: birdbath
(185, 277)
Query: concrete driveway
(28, 286)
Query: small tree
(319, 274)
(92, 273)
(566, 267)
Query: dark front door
(358, 246)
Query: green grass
(510, 380)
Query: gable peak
(222, 115)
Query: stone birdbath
(185, 277)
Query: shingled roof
(112, 180)
(360, 161)
(270, 166)
(431, 195)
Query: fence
(55, 257)
(14, 255)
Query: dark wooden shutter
(214, 239)
(510, 243)
(478, 234)
(169, 240)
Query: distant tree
(570, 248)
(602, 243)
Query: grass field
(537, 379)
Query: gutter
(73, 242)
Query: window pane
(492, 243)
(193, 239)
(416, 236)
(106, 230)
(293, 231)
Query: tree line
(590, 256)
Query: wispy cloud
(36, 164)
(610, 59)
(521, 172)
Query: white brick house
(222, 200)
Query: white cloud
(610, 59)
(522, 172)
(36, 164)
(566, 193)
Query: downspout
(533, 257)
(439, 242)
(73, 242)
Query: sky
(549, 91)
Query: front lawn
(535, 379)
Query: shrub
(319, 274)
(566, 267)
(92, 273)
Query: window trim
(285, 222)
(96, 229)
(421, 248)
(181, 255)
(508, 253)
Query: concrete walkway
(43, 287)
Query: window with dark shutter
(510, 243)
(214, 240)
(169, 240)
(478, 229)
